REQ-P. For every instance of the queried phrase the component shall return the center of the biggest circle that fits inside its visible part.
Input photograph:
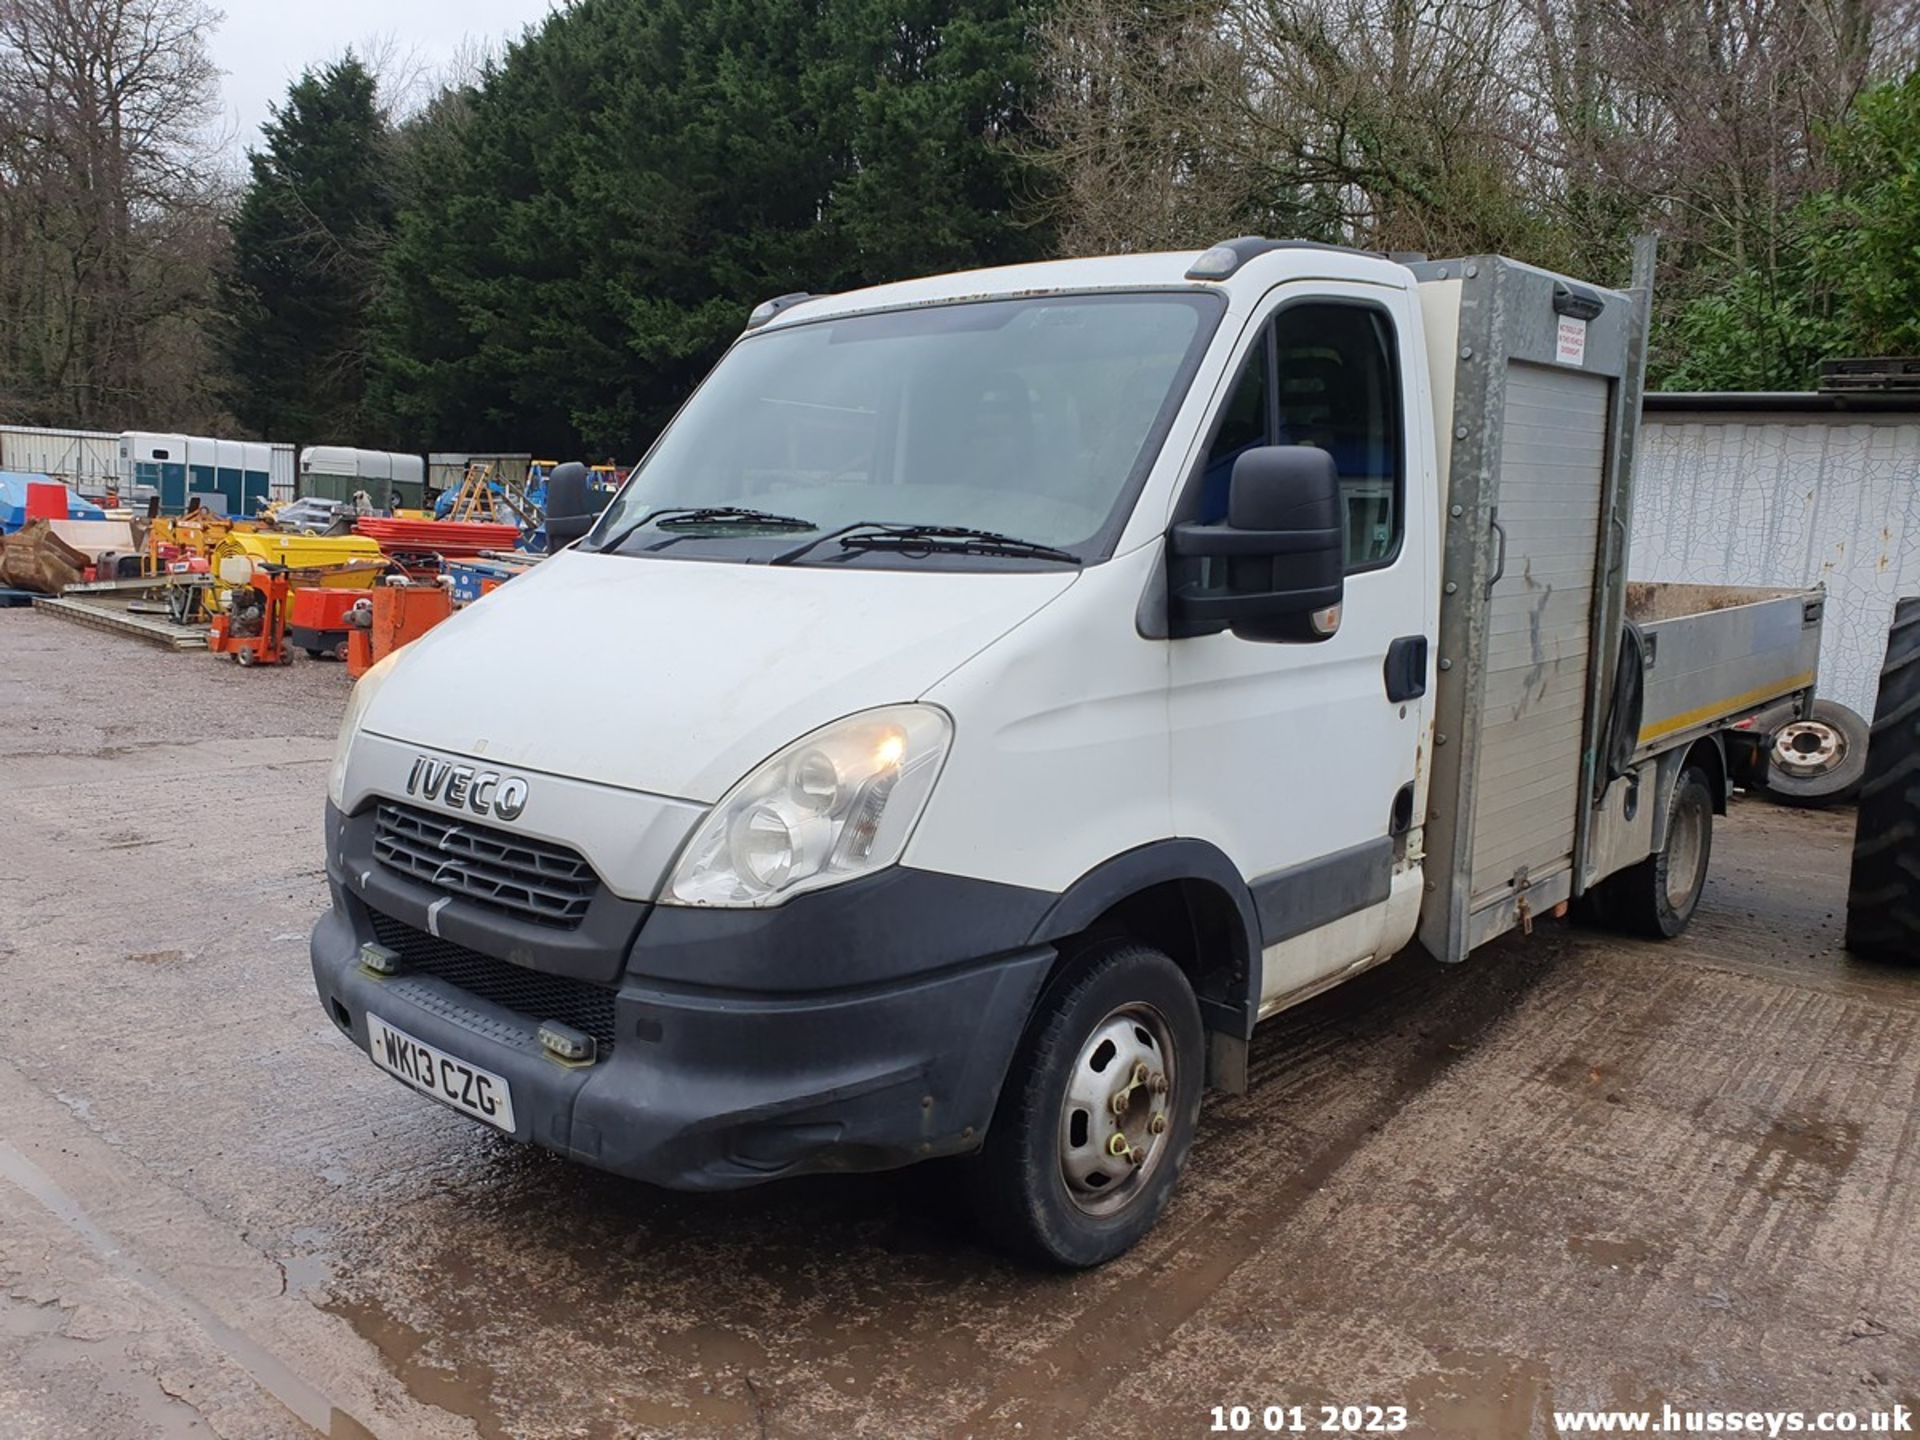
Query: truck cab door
(1300, 760)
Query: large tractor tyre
(1818, 761)
(1097, 1112)
(1883, 902)
(1657, 897)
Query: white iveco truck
(994, 694)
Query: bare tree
(1373, 121)
(403, 77)
(105, 202)
(1392, 113)
(1139, 125)
(1553, 128)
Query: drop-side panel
(1553, 455)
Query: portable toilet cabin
(157, 465)
(229, 477)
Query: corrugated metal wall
(89, 459)
(447, 469)
(1758, 499)
(85, 459)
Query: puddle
(306, 1274)
(1801, 1156)
(1578, 1074)
(1477, 1396)
(464, 1392)
(722, 1391)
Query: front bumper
(711, 1088)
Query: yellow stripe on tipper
(1732, 705)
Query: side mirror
(1276, 571)
(570, 512)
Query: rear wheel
(1097, 1113)
(1883, 901)
(1658, 896)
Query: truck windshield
(1030, 417)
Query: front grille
(535, 879)
(580, 1003)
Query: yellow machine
(170, 538)
(353, 562)
(329, 562)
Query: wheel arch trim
(1231, 1003)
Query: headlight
(833, 805)
(357, 702)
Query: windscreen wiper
(694, 517)
(921, 540)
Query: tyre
(1820, 761)
(1658, 896)
(1097, 1112)
(1883, 899)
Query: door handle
(1500, 561)
(1406, 669)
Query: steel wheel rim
(1686, 847)
(1809, 747)
(1116, 1118)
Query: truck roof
(1155, 271)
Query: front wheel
(1098, 1110)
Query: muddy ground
(1576, 1172)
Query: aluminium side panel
(1534, 440)
(1717, 652)
(1552, 464)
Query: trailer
(391, 479)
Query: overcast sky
(264, 44)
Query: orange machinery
(253, 626)
(390, 616)
(318, 621)
(266, 609)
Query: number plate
(449, 1079)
